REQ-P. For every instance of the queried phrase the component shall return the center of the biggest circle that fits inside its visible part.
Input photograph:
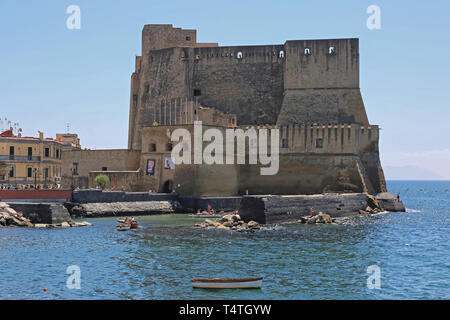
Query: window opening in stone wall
(319, 143)
(197, 92)
(307, 51)
(188, 38)
(281, 54)
(331, 50)
(239, 55)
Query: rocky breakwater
(231, 222)
(12, 218)
(102, 209)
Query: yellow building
(29, 161)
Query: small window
(45, 173)
(75, 169)
(307, 51)
(239, 55)
(197, 92)
(11, 153)
(281, 54)
(331, 50)
(57, 153)
(188, 38)
(169, 147)
(47, 152)
(152, 147)
(319, 143)
(12, 171)
(30, 153)
(284, 143)
(29, 172)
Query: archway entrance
(167, 186)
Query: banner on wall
(150, 167)
(169, 163)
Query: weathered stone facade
(309, 89)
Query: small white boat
(246, 283)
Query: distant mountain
(410, 173)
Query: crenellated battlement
(308, 89)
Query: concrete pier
(278, 209)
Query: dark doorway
(167, 186)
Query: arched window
(307, 51)
(331, 50)
(239, 55)
(281, 54)
(169, 147)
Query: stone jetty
(104, 209)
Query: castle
(309, 89)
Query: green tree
(102, 180)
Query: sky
(51, 76)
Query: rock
(302, 220)
(10, 211)
(79, 224)
(326, 218)
(253, 225)
(40, 225)
(65, 225)
(312, 220)
(228, 224)
(373, 202)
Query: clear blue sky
(51, 76)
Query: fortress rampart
(308, 89)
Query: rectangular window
(47, 152)
(284, 143)
(12, 171)
(75, 169)
(45, 173)
(29, 172)
(197, 92)
(104, 169)
(11, 153)
(30, 153)
(57, 153)
(319, 143)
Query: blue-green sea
(158, 260)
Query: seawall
(99, 196)
(42, 213)
(279, 209)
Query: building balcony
(14, 158)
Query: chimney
(41, 135)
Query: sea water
(410, 250)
